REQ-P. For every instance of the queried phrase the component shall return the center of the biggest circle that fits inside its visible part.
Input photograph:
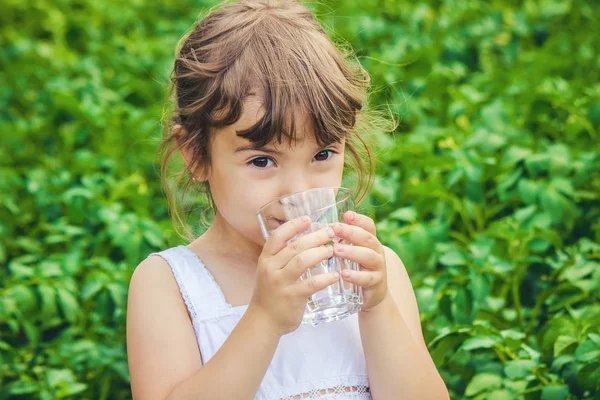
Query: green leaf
(90, 289)
(70, 389)
(523, 214)
(558, 326)
(50, 269)
(407, 214)
(69, 305)
(542, 220)
(538, 163)
(453, 258)
(122, 370)
(589, 376)
(118, 293)
(560, 361)
(509, 180)
(538, 245)
(563, 185)
(48, 296)
(517, 369)
(587, 351)
(512, 334)
(20, 271)
(501, 394)
(22, 387)
(480, 342)
(555, 392)
(552, 203)
(77, 191)
(444, 347)
(454, 177)
(562, 343)
(495, 303)
(595, 337)
(514, 154)
(32, 332)
(578, 271)
(528, 190)
(153, 238)
(25, 298)
(63, 382)
(483, 382)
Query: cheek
(238, 196)
(333, 177)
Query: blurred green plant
(489, 190)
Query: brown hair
(279, 52)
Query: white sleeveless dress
(324, 362)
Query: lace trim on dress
(355, 387)
(331, 392)
(197, 258)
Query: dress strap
(201, 293)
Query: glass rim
(340, 188)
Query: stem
(516, 296)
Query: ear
(202, 173)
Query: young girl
(265, 105)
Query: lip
(279, 221)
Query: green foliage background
(489, 189)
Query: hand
(368, 252)
(279, 295)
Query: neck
(222, 239)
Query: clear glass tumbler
(325, 206)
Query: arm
(164, 359)
(397, 358)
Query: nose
(296, 181)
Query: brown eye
(323, 155)
(261, 162)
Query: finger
(356, 219)
(305, 260)
(364, 256)
(365, 279)
(312, 285)
(280, 236)
(303, 243)
(358, 236)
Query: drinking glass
(325, 206)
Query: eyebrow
(251, 147)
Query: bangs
(293, 72)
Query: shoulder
(401, 289)
(153, 272)
(162, 348)
(152, 283)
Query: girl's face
(243, 178)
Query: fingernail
(336, 275)
(351, 215)
(346, 273)
(338, 228)
(305, 219)
(330, 232)
(339, 247)
(330, 249)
